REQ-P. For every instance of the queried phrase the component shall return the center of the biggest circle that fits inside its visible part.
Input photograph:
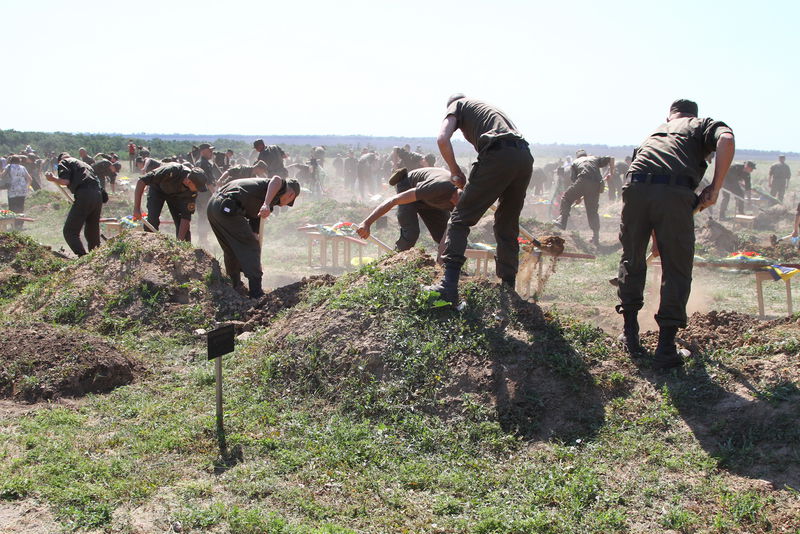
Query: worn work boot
(255, 288)
(596, 240)
(630, 335)
(666, 355)
(446, 293)
(510, 282)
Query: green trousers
(499, 174)
(239, 244)
(668, 211)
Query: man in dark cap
(779, 175)
(350, 170)
(659, 198)
(146, 165)
(273, 156)
(87, 205)
(178, 186)
(104, 169)
(85, 157)
(427, 194)
(234, 212)
(737, 182)
(256, 170)
(587, 183)
(213, 174)
(503, 171)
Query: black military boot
(630, 334)
(255, 288)
(666, 355)
(510, 282)
(448, 286)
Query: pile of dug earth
(136, 279)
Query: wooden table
(760, 276)
(747, 221)
(481, 258)
(335, 241)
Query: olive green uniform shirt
(780, 171)
(679, 148)
(249, 194)
(433, 187)
(481, 123)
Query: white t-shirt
(19, 181)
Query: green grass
(332, 450)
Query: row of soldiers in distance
(229, 204)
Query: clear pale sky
(564, 71)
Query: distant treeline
(170, 144)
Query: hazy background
(566, 72)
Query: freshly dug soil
(771, 217)
(717, 238)
(782, 252)
(44, 362)
(283, 298)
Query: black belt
(664, 179)
(507, 143)
(87, 183)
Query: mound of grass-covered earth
(44, 362)
(22, 260)
(135, 279)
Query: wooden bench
(747, 221)
(764, 275)
(335, 241)
(481, 258)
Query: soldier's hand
(49, 176)
(707, 198)
(362, 230)
(137, 214)
(458, 180)
(264, 212)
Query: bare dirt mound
(375, 342)
(781, 251)
(22, 260)
(44, 362)
(136, 278)
(283, 298)
(717, 238)
(771, 217)
(706, 332)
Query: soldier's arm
(446, 148)
(726, 146)
(183, 229)
(274, 186)
(609, 167)
(406, 197)
(137, 199)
